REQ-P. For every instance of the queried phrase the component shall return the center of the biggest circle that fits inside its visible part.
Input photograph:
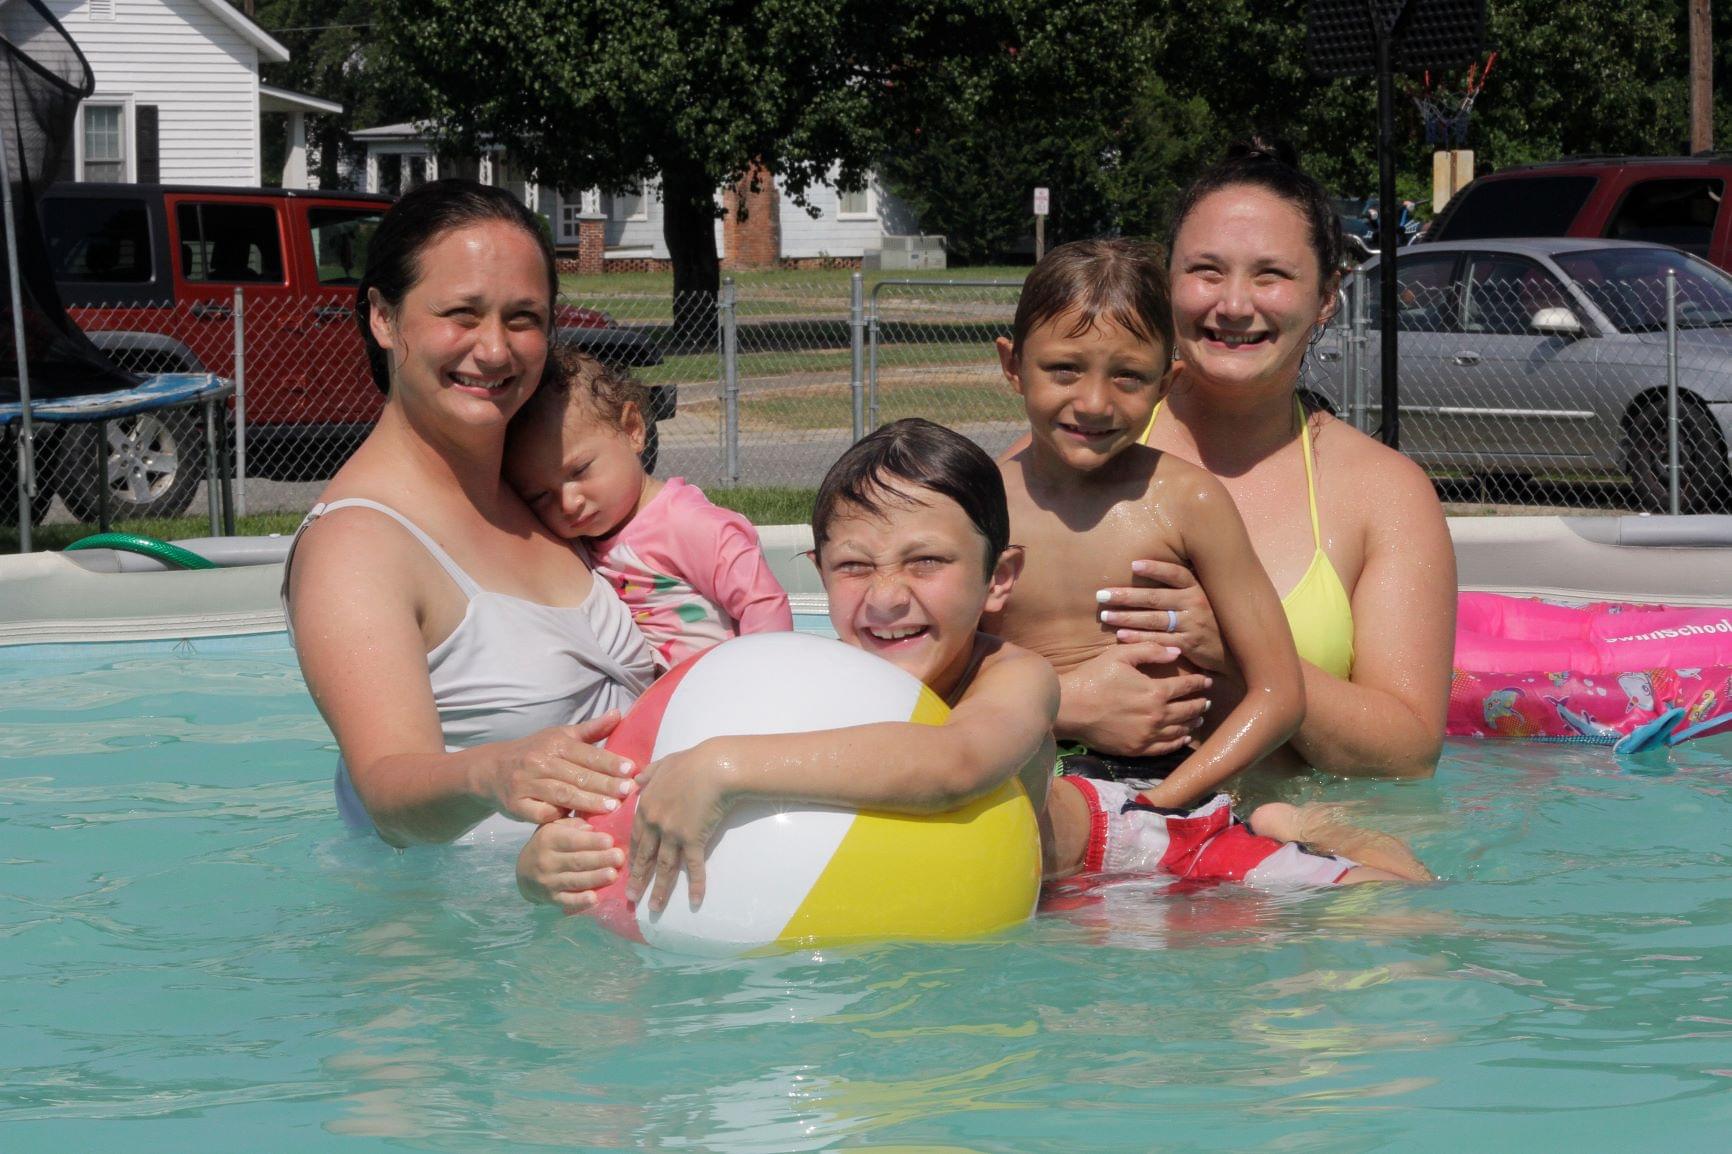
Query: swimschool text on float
(1632, 676)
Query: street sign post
(1042, 201)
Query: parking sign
(1040, 201)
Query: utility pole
(1701, 78)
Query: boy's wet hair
(1123, 280)
(921, 455)
(574, 377)
(1272, 165)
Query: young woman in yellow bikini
(1363, 558)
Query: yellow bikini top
(1318, 609)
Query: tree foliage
(962, 106)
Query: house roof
(284, 100)
(408, 130)
(270, 51)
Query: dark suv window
(1675, 212)
(230, 243)
(98, 240)
(340, 237)
(1530, 206)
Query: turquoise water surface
(195, 957)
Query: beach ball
(795, 875)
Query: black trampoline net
(45, 76)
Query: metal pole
(1386, 230)
(1354, 355)
(730, 383)
(213, 469)
(240, 491)
(872, 362)
(857, 351)
(26, 429)
(1672, 496)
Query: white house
(833, 226)
(178, 98)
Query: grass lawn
(647, 297)
(695, 368)
(946, 401)
(764, 506)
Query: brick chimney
(756, 241)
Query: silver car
(1548, 356)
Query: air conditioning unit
(903, 253)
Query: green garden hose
(171, 555)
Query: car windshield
(1629, 286)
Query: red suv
(150, 273)
(1672, 200)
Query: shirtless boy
(1090, 346)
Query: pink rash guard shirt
(692, 575)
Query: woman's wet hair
(915, 453)
(1272, 166)
(419, 219)
(1120, 279)
(573, 377)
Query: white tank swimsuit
(512, 667)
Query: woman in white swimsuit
(465, 658)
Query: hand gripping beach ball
(793, 875)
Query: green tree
(334, 54)
(691, 93)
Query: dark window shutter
(149, 143)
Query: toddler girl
(691, 574)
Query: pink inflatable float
(1631, 676)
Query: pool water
(194, 956)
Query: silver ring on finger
(1172, 621)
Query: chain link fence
(1520, 389)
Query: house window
(569, 214)
(854, 204)
(104, 142)
(631, 205)
(414, 171)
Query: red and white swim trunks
(1205, 843)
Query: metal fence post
(240, 406)
(1353, 368)
(872, 361)
(1672, 496)
(730, 382)
(26, 428)
(857, 351)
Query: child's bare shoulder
(1188, 488)
(1005, 666)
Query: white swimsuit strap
(452, 569)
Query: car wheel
(154, 463)
(1704, 481)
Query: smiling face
(1088, 395)
(469, 338)
(580, 474)
(1247, 291)
(910, 586)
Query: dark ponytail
(420, 218)
(1272, 165)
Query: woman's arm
(1254, 632)
(1388, 720)
(356, 603)
(1001, 727)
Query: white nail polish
(1103, 595)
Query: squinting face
(1247, 292)
(1088, 396)
(911, 586)
(468, 340)
(582, 476)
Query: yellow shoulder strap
(1310, 478)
